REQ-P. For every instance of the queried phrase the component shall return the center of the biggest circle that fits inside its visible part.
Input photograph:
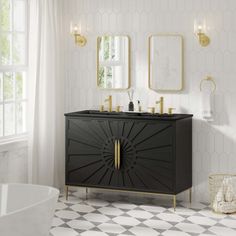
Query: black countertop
(130, 115)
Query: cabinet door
(147, 162)
(90, 152)
(146, 154)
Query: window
(13, 67)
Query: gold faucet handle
(152, 109)
(101, 108)
(160, 101)
(170, 110)
(118, 108)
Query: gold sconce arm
(80, 40)
(204, 40)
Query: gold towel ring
(210, 79)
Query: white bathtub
(26, 210)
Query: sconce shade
(75, 30)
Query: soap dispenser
(139, 106)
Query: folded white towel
(225, 199)
(207, 98)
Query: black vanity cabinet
(154, 153)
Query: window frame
(16, 140)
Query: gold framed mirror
(165, 62)
(113, 62)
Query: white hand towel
(207, 98)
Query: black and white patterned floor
(104, 214)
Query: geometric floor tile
(211, 214)
(82, 208)
(94, 217)
(219, 230)
(140, 214)
(141, 231)
(92, 233)
(66, 214)
(124, 205)
(111, 228)
(57, 222)
(107, 215)
(61, 206)
(80, 224)
(111, 211)
(126, 220)
(170, 217)
(96, 202)
(182, 211)
(157, 224)
(62, 231)
(228, 223)
(190, 228)
(193, 205)
(155, 209)
(200, 220)
(175, 233)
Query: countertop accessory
(131, 96)
(139, 106)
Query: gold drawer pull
(118, 154)
(115, 161)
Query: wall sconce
(200, 31)
(75, 30)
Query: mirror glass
(166, 62)
(113, 62)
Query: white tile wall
(214, 145)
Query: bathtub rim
(57, 192)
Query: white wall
(214, 145)
(13, 166)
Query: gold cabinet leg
(190, 195)
(67, 190)
(174, 202)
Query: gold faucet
(109, 100)
(170, 110)
(161, 102)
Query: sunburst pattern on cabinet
(146, 160)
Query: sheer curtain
(46, 95)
